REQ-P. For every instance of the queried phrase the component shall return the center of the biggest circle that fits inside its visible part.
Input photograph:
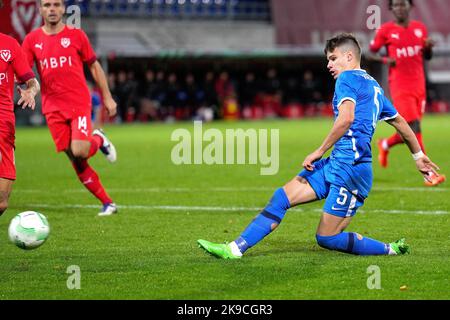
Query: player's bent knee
(3, 206)
(4, 195)
(327, 242)
(299, 191)
(79, 152)
(321, 241)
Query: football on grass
(29, 230)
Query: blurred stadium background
(174, 60)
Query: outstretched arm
(27, 95)
(423, 163)
(99, 76)
(341, 125)
(391, 62)
(375, 45)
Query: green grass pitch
(149, 250)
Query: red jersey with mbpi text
(59, 59)
(405, 45)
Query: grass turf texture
(149, 250)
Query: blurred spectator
(149, 86)
(311, 95)
(271, 100)
(310, 90)
(149, 104)
(190, 89)
(171, 101)
(248, 90)
(160, 86)
(224, 87)
(125, 92)
(291, 92)
(227, 96)
(273, 83)
(112, 84)
(207, 93)
(207, 99)
(133, 106)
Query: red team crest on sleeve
(65, 42)
(5, 55)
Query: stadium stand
(185, 9)
(215, 59)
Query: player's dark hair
(341, 40)
(63, 2)
(1, 4)
(391, 3)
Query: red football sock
(90, 180)
(394, 140)
(96, 141)
(419, 138)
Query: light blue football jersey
(371, 106)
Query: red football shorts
(7, 163)
(410, 104)
(65, 127)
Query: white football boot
(107, 148)
(108, 209)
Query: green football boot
(219, 250)
(400, 247)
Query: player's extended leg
(330, 232)
(78, 153)
(295, 192)
(407, 105)
(5, 191)
(384, 146)
(330, 235)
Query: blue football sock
(353, 243)
(264, 222)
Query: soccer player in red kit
(13, 62)
(407, 44)
(60, 52)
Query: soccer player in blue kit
(345, 178)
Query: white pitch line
(411, 189)
(218, 189)
(225, 209)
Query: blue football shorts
(344, 186)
